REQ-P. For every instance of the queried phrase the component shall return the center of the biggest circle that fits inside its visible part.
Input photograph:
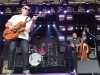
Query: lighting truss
(53, 8)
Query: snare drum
(35, 59)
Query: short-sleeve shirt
(77, 41)
(17, 18)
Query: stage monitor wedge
(88, 66)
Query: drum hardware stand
(48, 59)
(43, 62)
(56, 61)
(35, 50)
(51, 52)
(52, 60)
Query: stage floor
(45, 74)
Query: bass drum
(35, 59)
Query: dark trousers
(71, 57)
(72, 54)
(25, 52)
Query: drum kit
(41, 56)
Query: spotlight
(76, 28)
(48, 11)
(54, 25)
(87, 11)
(48, 25)
(81, 28)
(65, 11)
(40, 12)
(39, 25)
(1, 13)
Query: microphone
(87, 29)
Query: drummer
(42, 46)
(42, 49)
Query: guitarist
(22, 40)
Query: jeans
(25, 52)
(72, 54)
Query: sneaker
(26, 72)
(74, 71)
(9, 72)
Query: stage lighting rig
(66, 1)
(63, 1)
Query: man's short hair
(73, 33)
(26, 5)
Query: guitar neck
(30, 19)
(39, 15)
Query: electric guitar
(9, 34)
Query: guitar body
(18, 28)
(13, 34)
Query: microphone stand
(94, 39)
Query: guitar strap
(26, 19)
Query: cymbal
(30, 45)
(49, 44)
(34, 46)
(32, 49)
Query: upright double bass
(83, 49)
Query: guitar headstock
(85, 27)
(42, 15)
(39, 15)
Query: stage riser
(52, 69)
(1, 63)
